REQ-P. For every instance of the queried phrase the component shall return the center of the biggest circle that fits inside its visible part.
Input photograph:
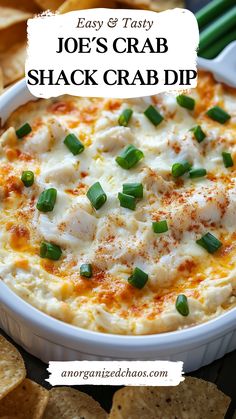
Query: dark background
(221, 372)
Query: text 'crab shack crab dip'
(119, 216)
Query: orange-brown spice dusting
(13, 184)
(83, 286)
(187, 265)
(83, 174)
(37, 123)
(80, 189)
(176, 147)
(25, 156)
(99, 275)
(22, 264)
(11, 153)
(113, 104)
(19, 237)
(90, 113)
(87, 113)
(50, 266)
(156, 100)
(206, 92)
(61, 107)
(14, 153)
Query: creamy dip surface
(113, 239)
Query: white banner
(112, 53)
(116, 373)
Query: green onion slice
(212, 10)
(181, 305)
(186, 102)
(209, 242)
(50, 251)
(217, 28)
(73, 144)
(179, 169)
(160, 226)
(27, 178)
(194, 173)
(23, 130)
(199, 134)
(129, 157)
(96, 195)
(153, 115)
(133, 189)
(218, 114)
(127, 201)
(227, 159)
(125, 117)
(86, 270)
(47, 200)
(138, 278)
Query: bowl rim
(91, 341)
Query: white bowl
(50, 339)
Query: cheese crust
(115, 240)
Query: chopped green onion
(74, 144)
(178, 169)
(214, 9)
(198, 133)
(218, 114)
(214, 49)
(186, 102)
(47, 200)
(209, 242)
(160, 226)
(127, 201)
(125, 117)
(227, 159)
(153, 115)
(50, 251)
(24, 130)
(134, 189)
(129, 157)
(224, 23)
(138, 278)
(96, 195)
(181, 305)
(27, 178)
(86, 270)
(194, 173)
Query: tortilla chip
(13, 63)
(66, 402)
(9, 16)
(160, 5)
(12, 367)
(27, 401)
(70, 5)
(12, 35)
(134, 4)
(49, 4)
(156, 6)
(192, 398)
(26, 5)
(1, 81)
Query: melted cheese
(114, 239)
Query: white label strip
(129, 373)
(112, 53)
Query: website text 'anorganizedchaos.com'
(120, 373)
(115, 372)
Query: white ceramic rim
(101, 343)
